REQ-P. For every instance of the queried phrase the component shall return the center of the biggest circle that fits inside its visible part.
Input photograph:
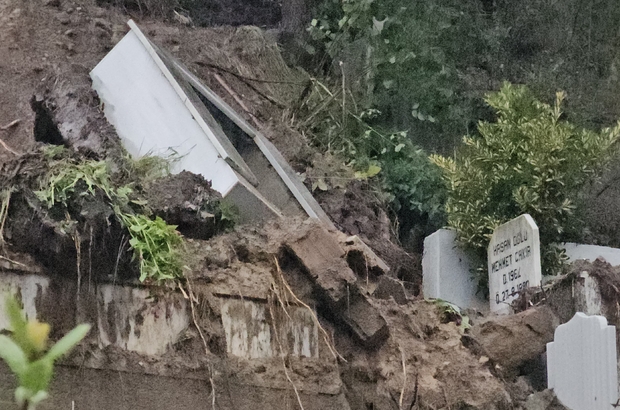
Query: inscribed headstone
(514, 262)
(581, 363)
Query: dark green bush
(527, 161)
(414, 59)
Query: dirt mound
(187, 201)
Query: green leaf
(373, 170)
(68, 342)
(322, 185)
(13, 355)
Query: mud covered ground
(383, 345)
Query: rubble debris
(513, 341)
(388, 287)
(187, 201)
(543, 400)
(325, 261)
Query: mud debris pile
(289, 314)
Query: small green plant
(528, 161)
(61, 185)
(27, 355)
(452, 313)
(149, 167)
(156, 245)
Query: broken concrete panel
(511, 341)
(26, 288)
(366, 322)
(389, 287)
(576, 251)
(353, 245)
(321, 254)
(250, 331)
(447, 272)
(590, 288)
(587, 295)
(129, 318)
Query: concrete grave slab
(158, 107)
(582, 364)
(513, 262)
(577, 251)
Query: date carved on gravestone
(514, 261)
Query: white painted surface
(249, 334)
(576, 251)
(129, 319)
(151, 117)
(25, 288)
(447, 272)
(513, 262)
(581, 363)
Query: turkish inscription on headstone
(514, 262)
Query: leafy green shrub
(528, 161)
(156, 245)
(415, 57)
(414, 186)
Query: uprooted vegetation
(85, 201)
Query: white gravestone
(581, 363)
(447, 274)
(514, 262)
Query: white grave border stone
(513, 262)
(582, 363)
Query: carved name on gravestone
(514, 262)
(581, 363)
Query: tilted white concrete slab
(155, 105)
